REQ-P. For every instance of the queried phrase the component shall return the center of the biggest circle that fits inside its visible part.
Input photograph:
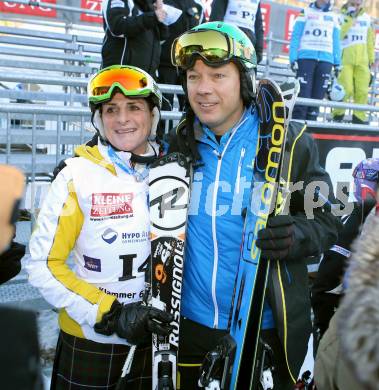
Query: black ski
(169, 182)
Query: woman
(97, 209)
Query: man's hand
(161, 14)
(277, 238)
(158, 4)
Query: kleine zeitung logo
(107, 204)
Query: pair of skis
(236, 360)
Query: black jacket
(291, 305)
(132, 34)
(192, 15)
(288, 286)
(219, 8)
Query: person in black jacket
(133, 31)
(192, 15)
(219, 134)
(327, 288)
(246, 15)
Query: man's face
(214, 95)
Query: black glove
(372, 77)
(278, 237)
(337, 70)
(294, 66)
(134, 322)
(10, 261)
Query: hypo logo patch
(109, 236)
(109, 204)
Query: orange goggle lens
(129, 79)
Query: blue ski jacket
(316, 36)
(219, 193)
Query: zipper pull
(243, 150)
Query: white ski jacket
(99, 213)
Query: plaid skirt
(83, 364)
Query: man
(314, 50)
(245, 14)
(358, 56)
(220, 133)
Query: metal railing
(65, 127)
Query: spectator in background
(247, 15)
(314, 49)
(133, 31)
(192, 15)
(358, 56)
(327, 287)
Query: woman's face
(127, 123)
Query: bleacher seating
(60, 63)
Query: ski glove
(294, 66)
(134, 322)
(277, 238)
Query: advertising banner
(32, 10)
(291, 15)
(266, 10)
(92, 5)
(340, 150)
